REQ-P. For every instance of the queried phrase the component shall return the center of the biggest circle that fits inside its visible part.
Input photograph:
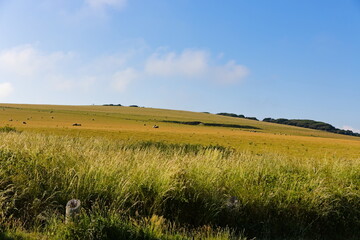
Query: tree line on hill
(237, 116)
(112, 105)
(212, 124)
(118, 105)
(311, 124)
(299, 123)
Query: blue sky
(279, 58)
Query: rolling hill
(136, 124)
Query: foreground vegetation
(153, 190)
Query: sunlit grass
(135, 125)
(182, 188)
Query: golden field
(135, 124)
(173, 182)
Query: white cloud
(122, 79)
(5, 89)
(27, 61)
(195, 64)
(230, 73)
(62, 83)
(28, 68)
(351, 129)
(22, 60)
(109, 62)
(188, 63)
(99, 4)
(92, 12)
(60, 71)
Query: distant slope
(135, 124)
(110, 117)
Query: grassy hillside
(175, 182)
(135, 124)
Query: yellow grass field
(135, 124)
(237, 179)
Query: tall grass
(160, 191)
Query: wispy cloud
(230, 73)
(59, 71)
(27, 61)
(65, 83)
(194, 64)
(189, 63)
(90, 12)
(6, 89)
(121, 79)
(28, 67)
(100, 4)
